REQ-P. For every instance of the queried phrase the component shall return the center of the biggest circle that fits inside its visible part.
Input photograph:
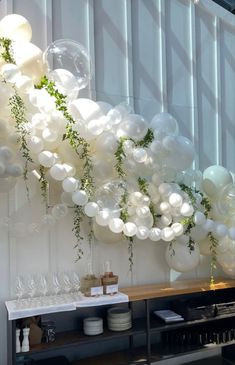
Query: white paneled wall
(157, 55)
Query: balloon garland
(130, 178)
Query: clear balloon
(72, 56)
(226, 200)
(180, 258)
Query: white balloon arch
(132, 178)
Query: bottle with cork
(91, 284)
(109, 280)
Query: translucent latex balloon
(15, 27)
(103, 234)
(134, 126)
(142, 233)
(10, 72)
(182, 259)
(181, 155)
(226, 200)
(69, 55)
(215, 178)
(164, 124)
(59, 211)
(91, 209)
(65, 82)
(70, 184)
(155, 234)
(227, 259)
(109, 195)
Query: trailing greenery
(120, 153)
(6, 54)
(131, 252)
(213, 250)
(18, 114)
(44, 185)
(143, 186)
(123, 206)
(77, 220)
(79, 145)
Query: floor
(217, 360)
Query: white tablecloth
(61, 303)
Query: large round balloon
(15, 27)
(72, 56)
(215, 178)
(164, 124)
(226, 200)
(180, 152)
(180, 258)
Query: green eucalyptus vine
(80, 146)
(17, 108)
(6, 54)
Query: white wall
(157, 55)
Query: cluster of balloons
(163, 162)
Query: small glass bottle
(109, 281)
(89, 282)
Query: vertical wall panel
(227, 95)
(178, 62)
(206, 72)
(111, 50)
(157, 55)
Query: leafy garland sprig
(43, 185)
(17, 107)
(80, 146)
(131, 252)
(77, 220)
(143, 186)
(120, 153)
(7, 55)
(189, 223)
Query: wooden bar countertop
(151, 291)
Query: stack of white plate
(93, 326)
(119, 319)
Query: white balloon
(15, 27)
(24, 84)
(80, 197)
(140, 155)
(91, 209)
(199, 218)
(129, 229)
(136, 198)
(182, 259)
(166, 219)
(167, 234)
(70, 184)
(177, 228)
(164, 207)
(143, 211)
(58, 172)
(116, 225)
(6, 153)
(182, 154)
(209, 225)
(175, 200)
(198, 233)
(134, 126)
(85, 109)
(103, 217)
(10, 72)
(46, 158)
(35, 144)
(186, 210)
(215, 178)
(220, 230)
(165, 189)
(14, 170)
(49, 135)
(155, 234)
(28, 58)
(142, 233)
(165, 124)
